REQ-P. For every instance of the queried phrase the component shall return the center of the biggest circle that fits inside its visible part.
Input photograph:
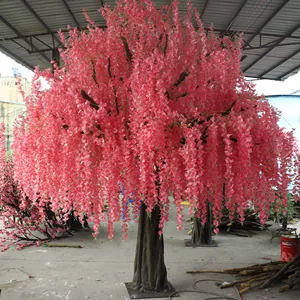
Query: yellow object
(185, 203)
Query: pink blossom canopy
(159, 105)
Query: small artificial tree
(161, 106)
(24, 221)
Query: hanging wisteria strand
(24, 221)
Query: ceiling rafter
(46, 37)
(269, 45)
(16, 57)
(297, 27)
(288, 72)
(236, 15)
(280, 62)
(276, 11)
(38, 18)
(21, 46)
(258, 31)
(70, 12)
(42, 42)
(23, 38)
(229, 32)
(204, 8)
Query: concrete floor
(98, 270)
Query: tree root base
(188, 243)
(134, 294)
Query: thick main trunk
(150, 273)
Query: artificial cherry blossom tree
(160, 106)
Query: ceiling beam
(204, 8)
(280, 62)
(70, 12)
(23, 38)
(258, 79)
(268, 20)
(53, 33)
(21, 46)
(260, 29)
(17, 58)
(267, 46)
(274, 35)
(236, 15)
(297, 27)
(288, 72)
(38, 18)
(229, 32)
(42, 42)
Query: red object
(290, 247)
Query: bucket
(290, 247)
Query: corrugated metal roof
(272, 29)
(255, 13)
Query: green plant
(277, 211)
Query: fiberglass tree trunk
(150, 273)
(202, 233)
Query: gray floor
(100, 268)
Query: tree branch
(115, 90)
(280, 273)
(227, 112)
(93, 104)
(94, 72)
(159, 40)
(108, 68)
(182, 77)
(116, 100)
(128, 53)
(30, 239)
(193, 121)
(182, 95)
(166, 45)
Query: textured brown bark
(202, 234)
(150, 273)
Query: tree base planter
(135, 294)
(150, 272)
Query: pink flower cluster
(158, 104)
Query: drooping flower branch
(24, 221)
